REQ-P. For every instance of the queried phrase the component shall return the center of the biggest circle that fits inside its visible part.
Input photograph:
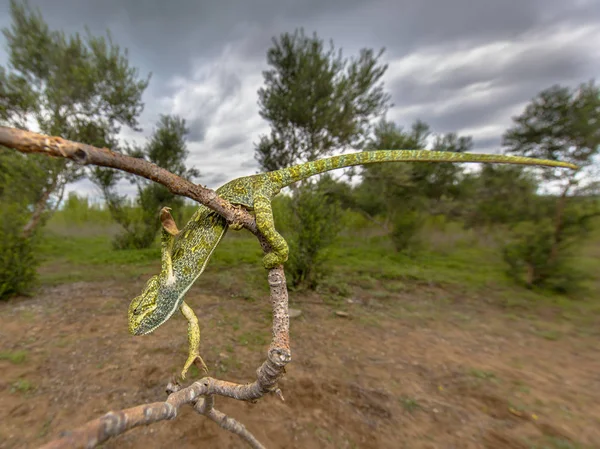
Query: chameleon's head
(143, 317)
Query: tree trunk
(40, 208)
(38, 212)
(558, 221)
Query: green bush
(18, 257)
(140, 237)
(528, 255)
(78, 210)
(406, 226)
(311, 221)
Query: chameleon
(185, 252)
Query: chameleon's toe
(236, 226)
(271, 260)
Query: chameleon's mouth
(135, 330)
(140, 330)
(138, 317)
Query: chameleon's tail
(287, 176)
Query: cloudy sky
(460, 65)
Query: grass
(15, 357)
(551, 442)
(253, 339)
(483, 375)
(458, 260)
(22, 386)
(551, 335)
(409, 404)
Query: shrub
(18, 259)
(313, 219)
(528, 255)
(406, 226)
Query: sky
(460, 65)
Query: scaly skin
(185, 253)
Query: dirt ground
(420, 368)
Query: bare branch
(116, 423)
(30, 142)
(205, 407)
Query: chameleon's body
(186, 252)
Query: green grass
(551, 442)
(96, 250)
(456, 260)
(409, 404)
(22, 386)
(253, 339)
(16, 357)
(375, 257)
(483, 375)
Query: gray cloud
(214, 180)
(488, 145)
(206, 58)
(165, 37)
(250, 163)
(197, 129)
(229, 141)
(485, 87)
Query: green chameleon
(186, 252)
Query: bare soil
(420, 368)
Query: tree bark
(558, 221)
(38, 210)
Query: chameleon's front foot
(273, 259)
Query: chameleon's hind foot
(193, 340)
(193, 357)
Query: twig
(205, 406)
(200, 394)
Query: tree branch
(83, 154)
(201, 393)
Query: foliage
(320, 215)
(499, 195)
(405, 230)
(77, 210)
(404, 192)
(528, 258)
(167, 148)
(560, 123)
(80, 88)
(528, 253)
(315, 100)
(18, 261)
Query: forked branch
(201, 393)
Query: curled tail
(286, 176)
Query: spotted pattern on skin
(188, 252)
